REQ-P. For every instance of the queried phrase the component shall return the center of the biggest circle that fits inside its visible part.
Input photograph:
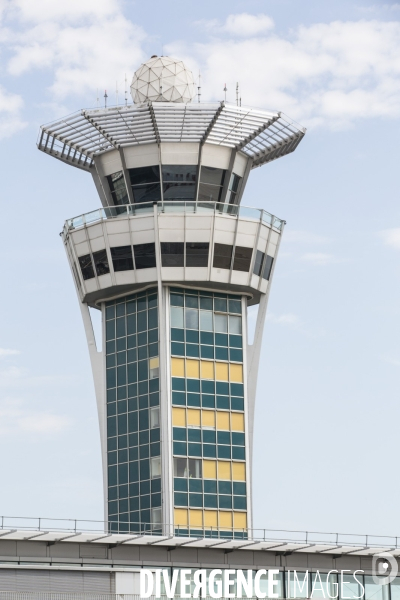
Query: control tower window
(86, 265)
(242, 259)
(179, 182)
(145, 256)
(122, 258)
(117, 186)
(197, 254)
(101, 262)
(233, 189)
(222, 256)
(258, 265)
(172, 254)
(145, 182)
(211, 184)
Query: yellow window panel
(178, 367)
(224, 469)
(225, 519)
(237, 420)
(193, 416)
(240, 520)
(179, 417)
(221, 371)
(196, 518)
(223, 420)
(210, 469)
(193, 368)
(181, 517)
(238, 471)
(210, 518)
(236, 373)
(155, 362)
(207, 369)
(208, 418)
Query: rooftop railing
(174, 206)
(278, 536)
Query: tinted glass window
(212, 175)
(172, 254)
(179, 191)
(242, 259)
(147, 193)
(179, 173)
(233, 188)
(179, 182)
(268, 266)
(209, 193)
(117, 186)
(222, 256)
(145, 256)
(86, 266)
(211, 182)
(258, 263)
(101, 262)
(197, 254)
(144, 175)
(122, 258)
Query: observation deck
(205, 244)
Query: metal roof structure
(196, 542)
(261, 135)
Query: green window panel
(181, 499)
(238, 453)
(180, 484)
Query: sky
(327, 412)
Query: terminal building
(173, 260)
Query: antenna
(105, 98)
(116, 91)
(225, 90)
(126, 91)
(199, 89)
(237, 94)
(161, 97)
(240, 101)
(97, 97)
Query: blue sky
(326, 441)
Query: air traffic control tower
(172, 260)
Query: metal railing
(173, 206)
(280, 536)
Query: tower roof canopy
(261, 135)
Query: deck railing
(173, 206)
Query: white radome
(163, 79)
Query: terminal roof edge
(262, 136)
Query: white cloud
(326, 73)
(86, 45)
(11, 120)
(329, 74)
(41, 10)
(391, 237)
(319, 258)
(15, 417)
(285, 319)
(245, 25)
(303, 237)
(7, 352)
(391, 361)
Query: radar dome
(163, 79)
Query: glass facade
(210, 493)
(178, 183)
(133, 413)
